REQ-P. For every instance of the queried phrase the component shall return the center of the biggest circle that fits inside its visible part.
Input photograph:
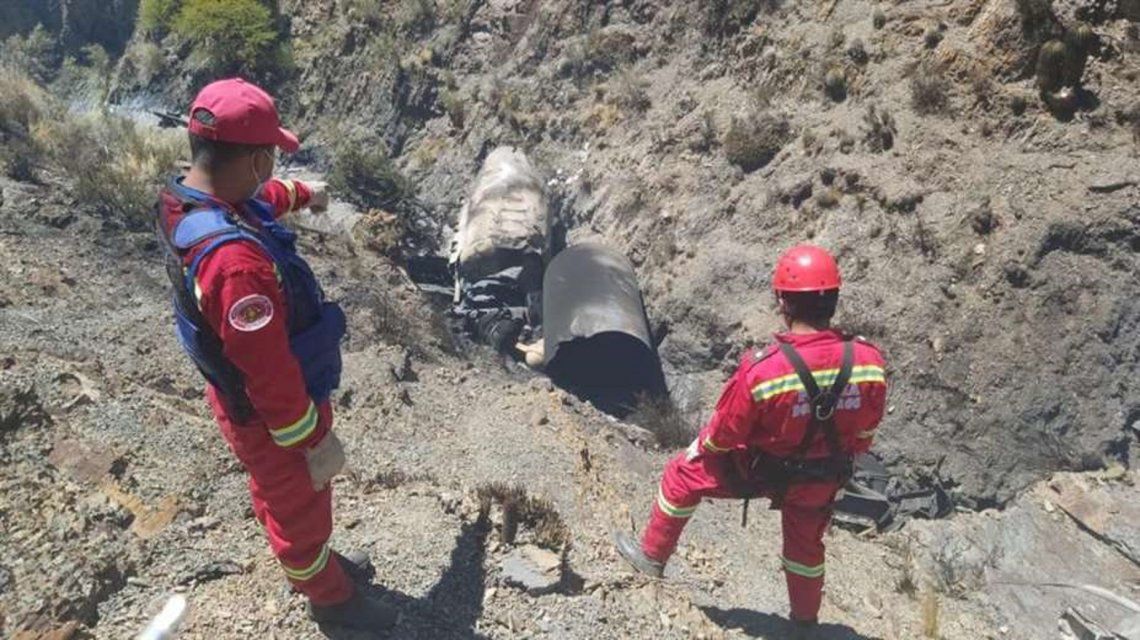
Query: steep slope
(990, 247)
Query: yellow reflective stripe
(824, 377)
(673, 510)
(865, 435)
(802, 569)
(292, 189)
(712, 447)
(291, 434)
(308, 572)
(198, 293)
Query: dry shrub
(23, 104)
(629, 92)
(835, 84)
(601, 117)
(723, 18)
(880, 129)
(754, 140)
(363, 171)
(112, 166)
(661, 416)
(455, 107)
(146, 60)
(538, 515)
(929, 91)
(394, 479)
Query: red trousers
(805, 515)
(297, 519)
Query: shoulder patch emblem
(251, 313)
(761, 354)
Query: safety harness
(775, 474)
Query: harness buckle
(824, 406)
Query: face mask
(260, 181)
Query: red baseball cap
(239, 112)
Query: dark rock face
(108, 23)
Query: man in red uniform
(252, 317)
(786, 427)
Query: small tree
(156, 16)
(230, 35)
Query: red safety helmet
(806, 267)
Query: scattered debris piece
(533, 569)
(211, 571)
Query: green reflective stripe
(672, 510)
(712, 447)
(308, 572)
(802, 569)
(823, 378)
(290, 435)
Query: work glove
(325, 461)
(319, 196)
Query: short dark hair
(813, 307)
(214, 155)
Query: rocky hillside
(989, 238)
(974, 163)
(108, 23)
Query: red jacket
(764, 405)
(255, 336)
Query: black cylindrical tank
(596, 334)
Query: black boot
(804, 629)
(630, 549)
(361, 612)
(357, 565)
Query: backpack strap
(823, 403)
(216, 226)
(200, 224)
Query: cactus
(1050, 65)
(835, 84)
(1079, 43)
(879, 19)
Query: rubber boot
(357, 565)
(630, 549)
(360, 612)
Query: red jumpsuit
(240, 297)
(764, 406)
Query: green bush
(36, 54)
(416, 17)
(230, 36)
(364, 172)
(156, 16)
(88, 78)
